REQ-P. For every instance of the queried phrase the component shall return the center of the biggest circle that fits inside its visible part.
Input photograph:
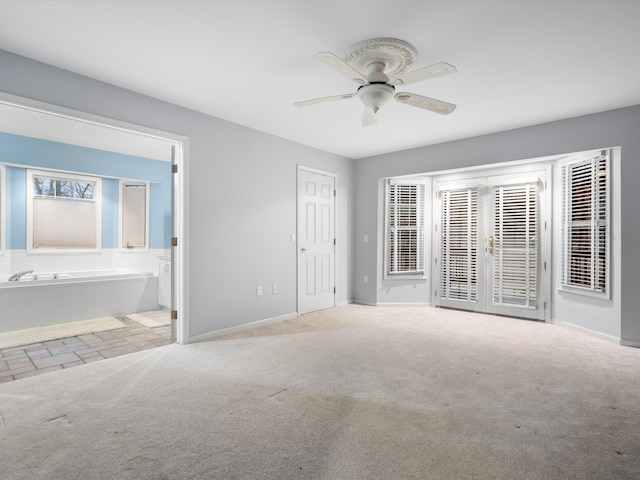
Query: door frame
(465, 178)
(179, 253)
(299, 169)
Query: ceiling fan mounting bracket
(396, 55)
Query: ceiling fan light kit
(378, 65)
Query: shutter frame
(516, 246)
(404, 249)
(586, 225)
(458, 279)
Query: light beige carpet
(350, 393)
(156, 318)
(53, 332)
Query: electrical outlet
(259, 290)
(274, 288)
(365, 238)
(366, 279)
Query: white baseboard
(391, 304)
(363, 302)
(239, 328)
(403, 304)
(592, 333)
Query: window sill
(134, 250)
(62, 251)
(584, 293)
(405, 276)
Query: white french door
(458, 246)
(491, 243)
(316, 241)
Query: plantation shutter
(515, 246)
(585, 222)
(459, 244)
(405, 228)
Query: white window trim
(121, 186)
(97, 194)
(421, 213)
(588, 157)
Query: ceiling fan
(379, 65)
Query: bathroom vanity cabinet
(164, 282)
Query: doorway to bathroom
(74, 131)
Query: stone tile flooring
(37, 358)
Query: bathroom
(85, 232)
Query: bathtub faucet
(17, 276)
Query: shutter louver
(459, 245)
(515, 253)
(405, 228)
(585, 219)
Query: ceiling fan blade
(369, 117)
(333, 98)
(424, 73)
(431, 104)
(341, 66)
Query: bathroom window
(585, 225)
(404, 229)
(3, 199)
(134, 214)
(63, 211)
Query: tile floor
(37, 358)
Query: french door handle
(303, 250)
(491, 244)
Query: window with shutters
(404, 230)
(134, 226)
(586, 225)
(63, 211)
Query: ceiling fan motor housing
(374, 95)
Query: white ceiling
(32, 123)
(519, 62)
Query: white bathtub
(48, 298)
(82, 276)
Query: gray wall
(243, 181)
(607, 129)
(241, 194)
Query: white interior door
(316, 241)
(490, 244)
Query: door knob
(303, 249)
(491, 244)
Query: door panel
(460, 249)
(489, 244)
(316, 234)
(513, 247)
